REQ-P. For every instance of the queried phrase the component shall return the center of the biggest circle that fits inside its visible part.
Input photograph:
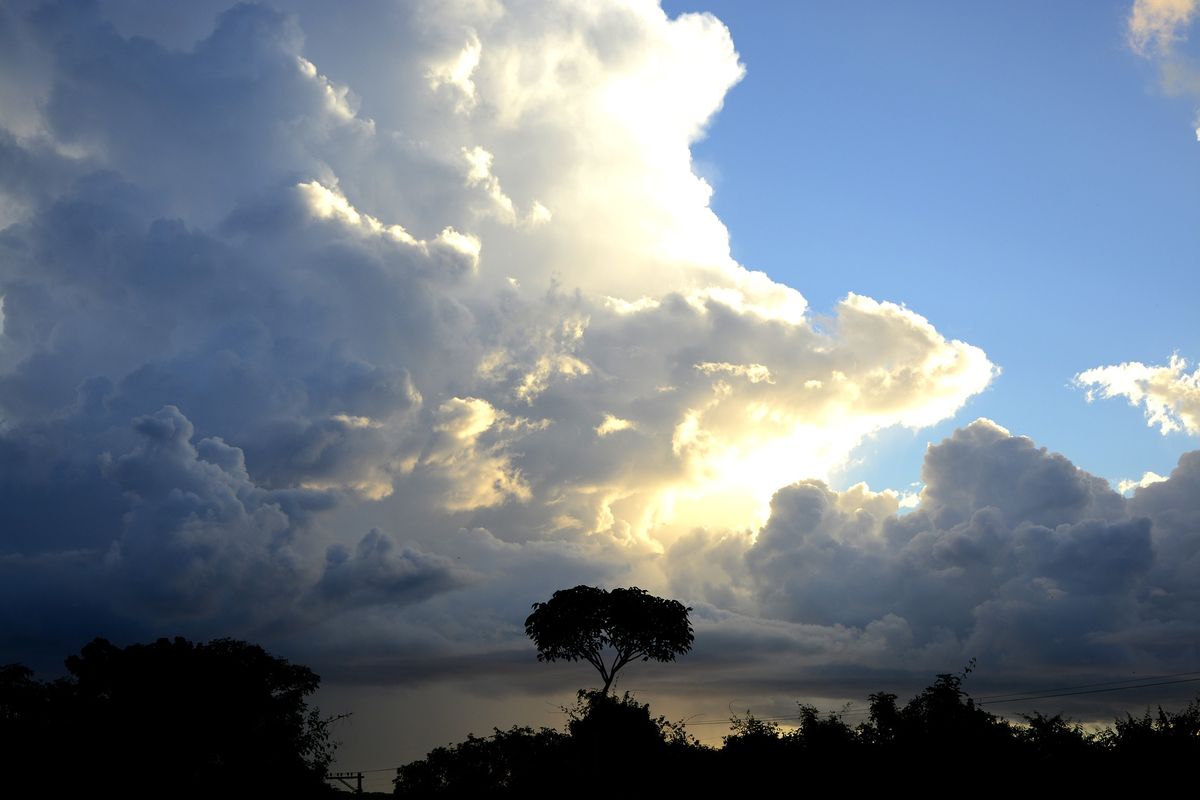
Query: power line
(1090, 691)
(997, 697)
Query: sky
(864, 329)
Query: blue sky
(1014, 172)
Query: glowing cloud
(1169, 394)
(435, 282)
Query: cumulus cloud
(1013, 555)
(1169, 394)
(273, 276)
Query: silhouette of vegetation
(509, 763)
(942, 719)
(172, 717)
(940, 738)
(609, 630)
(1164, 738)
(178, 719)
(1052, 743)
(612, 745)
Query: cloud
(1156, 28)
(1155, 25)
(376, 573)
(440, 272)
(1169, 394)
(1128, 486)
(1013, 555)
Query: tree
(191, 719)
(609, 629)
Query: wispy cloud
(1156, 29)
(1155, 26)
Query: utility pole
(344, 778)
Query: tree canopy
(609, 630)
(190, 719)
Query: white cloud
(479, 173)
(611, 425)
(1169, 394)
(1128, 486)
(456, 72)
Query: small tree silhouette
(609, 629)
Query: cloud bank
(1013, 555)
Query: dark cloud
(1014, 555)
(379, 573)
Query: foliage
(506, 764)
(603, 720)
(751, 729)
(615, 742)
(883, 725)
(194, 718)
(756, 746)
(941, 719)
(1163, 738)
(939, 738)
(1054, 741)
(824, 736)
(609, 629)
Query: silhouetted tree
(883, 725)
(825, 737)
(609, 629)
(183, 719)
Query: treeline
(177, 719)
(940, 739)
(167, 719)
